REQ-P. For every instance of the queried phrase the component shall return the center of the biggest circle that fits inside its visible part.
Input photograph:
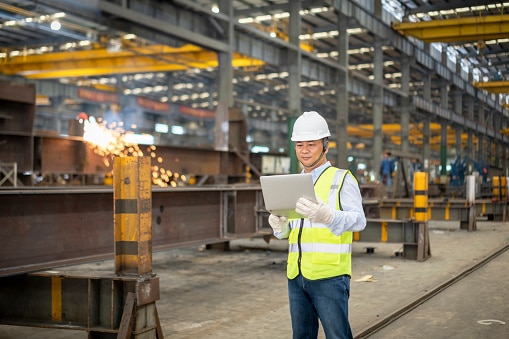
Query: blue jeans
(325, 299)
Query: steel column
(133, 215)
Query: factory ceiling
(102, 44)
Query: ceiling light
(263, 18)
(319, 10)
(260, 149)
(246, 20)
(281, 15)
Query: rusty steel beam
(74, 300)
(71, 302)
(492, 210)
(438, 209)
(412, 234)
(49, 227)
(72, 156)
(448, 210)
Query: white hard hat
(310, 126)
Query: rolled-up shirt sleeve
(351, 217)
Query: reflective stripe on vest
(324, 248)
(314, 250)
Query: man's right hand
(278, 223)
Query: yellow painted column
(356, 236)
(503, 187)
(495, 180)
(132, 194)
(56, 298)
(421, 196)
(385, 231)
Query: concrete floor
(474, 307)
(242, 293)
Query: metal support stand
(412, 233)
(9, 172)
(106, 305)
(129, 318)
(470, 224)
(423, 245)
(414, 236)
(132, 184)
(97, 303)
(421, 215)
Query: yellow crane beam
(496, 87)
(415, 135)
(96, 62)
(456, 30)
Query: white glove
(278, 223)
(316, 211)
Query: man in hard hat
(320, 245)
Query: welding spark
(113, 141)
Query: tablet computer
(281, 192)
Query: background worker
(320, 245)
(386, 169)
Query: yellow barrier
(499, 184)
(421, 196)
(132, 193)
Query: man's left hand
(316, 211)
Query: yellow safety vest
(314, 250)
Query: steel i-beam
(119, 305)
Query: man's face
(308, 152)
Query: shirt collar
(317, 171)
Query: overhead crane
(476, 28)
(469, 29)
(495, 87)
(130, 59)
(152, 58)
(415, 137)
(130, 56)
